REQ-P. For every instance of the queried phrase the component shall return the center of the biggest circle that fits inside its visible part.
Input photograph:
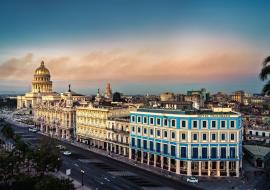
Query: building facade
(203, 143)
(92, 121)
(56, 118)
(118, 135)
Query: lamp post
(82, 172)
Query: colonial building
(92, 124)
(41, 84)
(56, 118)
(202, 142)
(118, 135)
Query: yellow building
(42, 84)
(91, 123)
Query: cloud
(204, 59)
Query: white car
(61, 147)
(34, 130)
(192, 180)
(67, 153)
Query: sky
(140, 47)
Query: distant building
(167, 96)
(259, 156)
(203, 142)
(258, 133)
(238, 96)
(116, 97)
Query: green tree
(47, 157)
(7, 131)
(264, 74)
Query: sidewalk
(76, 183)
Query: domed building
(42, 80)
(41, 87)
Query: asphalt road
(101, 172)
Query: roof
(188, 112)
(257, 150)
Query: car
(61, 147)
(67, 153)
(34, 130)
(192, 180)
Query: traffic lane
(96, 175)
(143, 173)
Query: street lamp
(82, 172)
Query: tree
(7, 131)
(264, 74)
(47, 157)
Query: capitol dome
(42, 80)
(42, 70)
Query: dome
(42, 70)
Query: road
(102, 172)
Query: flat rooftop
(186, 112)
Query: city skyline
(140, 47)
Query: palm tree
(264, 74)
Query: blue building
(203, 143)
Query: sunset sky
(138, 46)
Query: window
(232, 124)
(151, 131)
(183, 136)
(139, 143)
(223, 136)
(214, 124)
(223, 152)
(204, 137)
(133, 129)
(213, 137)
(133, 118)
(263, 134)
(151, 146)
(151, 121)
(250, 132)
(173, 123)
(139, 119)
(144, 144)
(133, 142)
(139, 130)
(158, 147)
(195, 137)
(257, 133)
(158, 121)
(173, 135)
(144, 120)
(158, 133)
(145, 130)
(173, 150)
(213, 152)
(223, 124)
(165, 148)
(204, 152)
(165, 122)
(204, 124)
(183, 152)
(232, 152)
(183, 124)
(232, 137)
(195, 124)
(165, 134)
(195, 152)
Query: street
(101, 172)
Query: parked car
(34, 130)
(192, 180)
(67, 153)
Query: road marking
(76, 165)
(122, 173)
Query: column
(177, 166)
(130, 153)
(227, 168)
(112, 147)
(188, 168)
(200, 168)
(107, 149)
(218, 168)
(63, 133)
(125, 151)
(142, 156)
(237, 168)
(209, 168)
(155, 160)
(161, 161)
(148, 158)
(169, 164)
